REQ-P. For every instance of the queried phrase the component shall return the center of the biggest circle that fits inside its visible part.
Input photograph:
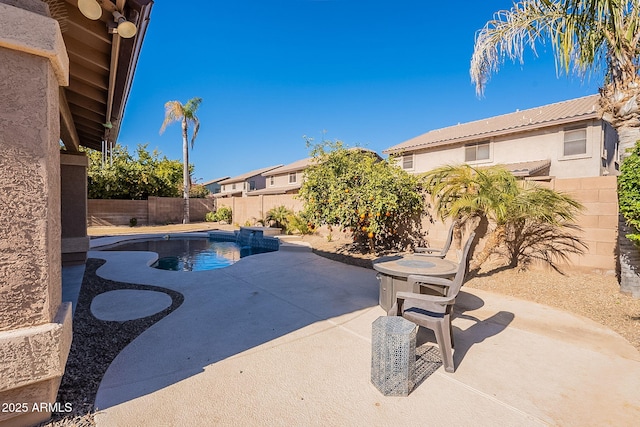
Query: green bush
(629, 191)
(297, 223)
(210, 217)
(279, 217)
(352, 189)
(198, 191)
(224, 214)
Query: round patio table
(393, 272)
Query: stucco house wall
(537, 135)
(282, 180)
(243, 184)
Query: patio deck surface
(284, 338)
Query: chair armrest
(428, 280)
(426, 298)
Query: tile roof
(527, 168)
(520, 121)
(213, 181)
(291, 167)
(247, 175)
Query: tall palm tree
(587, 36)
(176, 112)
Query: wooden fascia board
(68, 132)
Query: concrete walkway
(284, 338)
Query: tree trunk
(629, 261)
(185, 172)
(494, 239)
(628, 253)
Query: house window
(575, 142)
(252, 185)
(272, 180)
(407, 161)
(477, 151)
(293, 178)
(233, 186)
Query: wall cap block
(30, 32)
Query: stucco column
(35, 327)
(73, 195)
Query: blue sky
(370, 73)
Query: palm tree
(176, 112)
(587, 36)
(280, 217)
(493, 194)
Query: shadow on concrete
(478, 332)
(229, 311)
(428, 358)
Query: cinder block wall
(599, 220)
(253, 208)
(154, 211)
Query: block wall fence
(154, 211)
(599, 220)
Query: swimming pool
(190, 254)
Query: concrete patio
(284, 338)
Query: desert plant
(518, 210)
(279, 217)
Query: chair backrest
(447, 243)
(463, 267)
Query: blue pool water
(190, 254)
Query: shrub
(224, 214)
(629, 192)
(279, 217)
(210, 217)
(198, 191)
(352, 189)
(133, 222)
(297, 223)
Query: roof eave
(493, 134)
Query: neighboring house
(242, 184)
(214, 185)
(563, 140)
(286, 179)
